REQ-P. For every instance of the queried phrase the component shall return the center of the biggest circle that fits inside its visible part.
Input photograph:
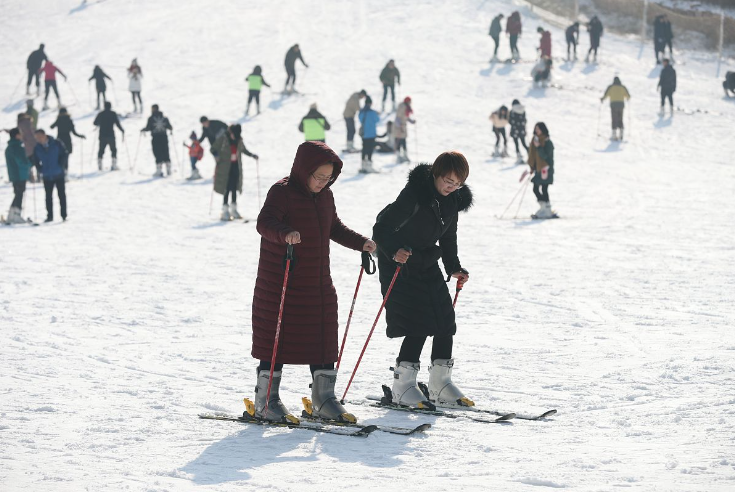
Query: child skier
(196, 152)
(255, 82)
(500, 121)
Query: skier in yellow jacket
(618, 94)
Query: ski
(28, 221)
(362, 431)
(536, 217)
(307, 414)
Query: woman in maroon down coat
(300, 210)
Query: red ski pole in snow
(367, 260)
(288, 258)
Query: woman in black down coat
(419, 306)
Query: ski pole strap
(289, 260)
(368, 263)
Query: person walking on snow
(52, 158)
(35, 60)
(618, 94)
(99, 76)
(49, 78)
(18, 173)
(495, 30)
(388, 77)
(572, 35)
(517, 120)
(196, 153)
(400, 129)
(135, 76)
(65, 129)
(107, 120)
(159, 125)
(662, 36)
(594, 27)
(514, 28)
(541, 163)
(667, 85)
(420, 306)
(351, 109)
(545, 43)
(255, 82)
(314, 125)
(369, 119)
(300, 210)
(499, 119)
(293, 54)
(228, 172)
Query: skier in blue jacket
(52, 158)
(369, 119)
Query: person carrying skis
(541, 163)
(52, 159)
(388, 77)
(667, 85)
(65, 129)
(369, 119)
(107, 120)
(99, 76)
(159, 125)
(662, 36)
(594, 27)
(420, 306)
(351, 109)
(18, 173)
(400, 129)
(228, 173)
(495, 30)
(212, 130)
(35, 60)
(729, 83)
(49, 78)
(300, 210)
(314, 125)
(255, 82)
(499, 119)
(545, 43)
(517, 120)
(293, 54)
(196, 153)
(513, 29)
(135, 76)
(572, 35)
(32, 112)
(618, 94)
(541, 72)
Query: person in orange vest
(49, 76)
(196, 153)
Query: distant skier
(618, 94)
(35, 60)
(729, 83)
(499, 119)
(99, 76)
(314, 125)
(19, 167)
(400, 129)
(196, 153)
(52, 159)
(662, 36)
(32, 112)
(388, 77)
(495, 30)
(300, 210)
(212, 130)
(572, 35)
(517, 119)
(389, 145)
(541, 72)
(594, 27)
(228, 174)
(369, 119)
(49, 73)
(255, 82)
(513, 29)
(135, 75)
(159, 125)
(65, 129)
(545, 43)
(667, 85)
(293, 54)
(541, 163)
(352, 107)
(107, 120)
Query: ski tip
(547, 414)
(506, 417)
(367, 430)
(421, 428)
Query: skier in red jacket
(49, 76)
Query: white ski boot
(496, 152)
(404, 155)
(614, 135)
(15, 217)
(367, 167)
(350, 146)
(441, 388)
(233, 212)
(225, 216)
(159, 171)
(277, 411)
(324, 404)
(194, 175)
(168, 169)
(505, 151)
(405, 390)
(114, 165)
(544, 211)
(519, 158)
(99, 163)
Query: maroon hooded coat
(309, 327)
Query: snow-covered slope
(119, 327)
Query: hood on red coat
(309, 156)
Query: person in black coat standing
(662, 36)
(595, 29)
(158, 125)
(495, 30)
(572, 36)
(107, 120)
(667, 85)
(99, 76)
(35, 60)
(65, 129)
(419, 306)
(293, 54)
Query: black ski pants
(49, 185)
(104, 97)
(368, 146)
(136, 94)
(497, 44)
(350, 123)
(498, 133)
(392, 88)
(523, 141)
(232, 181)
(667, 94)
(159, 143)
(514, 45)
(290, 76)
(541, 191)
(411, 347)
(31, 75)
(104, 142)
(51, 84)
(19, 187)
(571, 42)
(254, 95)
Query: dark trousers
(401, 144)
(664, 95)
(350, 122)
(193, 160)
(31, 75)
(232, 181)
(497, 44)
(594, 44)
(290, 76)
(514, 45)
(498, 133)
(392, 92)
(136, 94)
(541, 191)
(104, 142)
(523, 141)
(617, 117)
(368, 146)
(49, 185)
(411, 347)
(571, 42)
(159, 143)
(104, 97)
(265, 365)
(51, 84)
(19, 187)
(254, 96)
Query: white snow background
(119, 327)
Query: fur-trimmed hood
(422, 181)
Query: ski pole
(137, 148)
(127, 152)
(257, 181)
(35, 210)
(367, 263)
(380, 311)
(81, 158)
(525, 187)
(513, 200)
(288, 258)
